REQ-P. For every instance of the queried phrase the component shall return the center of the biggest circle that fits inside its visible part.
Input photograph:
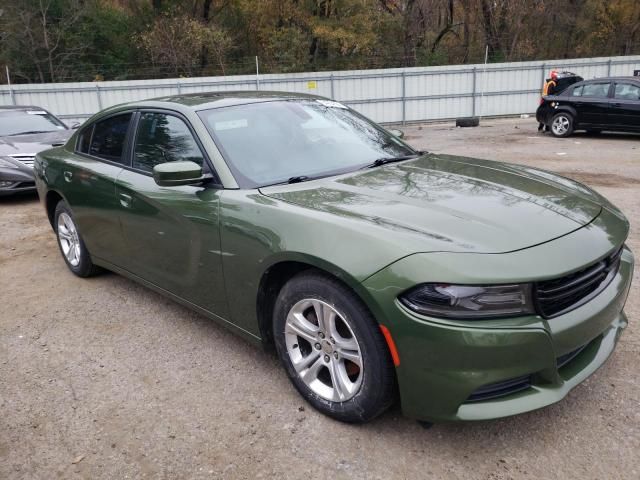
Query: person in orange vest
(549, 88)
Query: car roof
(605, 79)
(20, 108)
(208, 100)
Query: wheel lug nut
(335, 355)
(321, 335)
(318, 346)
(326, 358)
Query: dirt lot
(103, 378)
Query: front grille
(500, 389)
(25, 159)
(558, 296)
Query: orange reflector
(392, 346)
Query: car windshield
(288, 140)
(22, 122)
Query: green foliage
(80, 40)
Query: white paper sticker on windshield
(231, 124)
(331, 104)
(36, 112)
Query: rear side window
(596, 90)
(84, 140)
(577, 92)
(108, 138)
(627, 91)
(164, 138)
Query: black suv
(593, 105)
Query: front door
(172, 233)
(625, 106)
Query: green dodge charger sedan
(469, 288)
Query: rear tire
(72, 247)
(332, 348)
(562, 125)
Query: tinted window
(84, 139)
(596, 90)
(109, 136)
(627, 91)
(164, 138)
(577, 92)
(23, 122)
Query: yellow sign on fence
(312, 85)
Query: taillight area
(541, 100)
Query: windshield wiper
(383, 161)
(298, 179)
(32, 132)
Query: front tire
(562, 125)
(332, 349)
(73, 250)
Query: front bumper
(20, 179)
(443, 364)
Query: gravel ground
(103, 378)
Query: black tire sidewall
(377, 389)
(569, 130)
(85, 267)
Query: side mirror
(173, 174)
(75, 125)
(396, 133)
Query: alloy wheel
(324, 350)
(69, 239)
(561, 125)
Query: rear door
(625, 106)
(591, 101)
(88, 184)
(172, 233)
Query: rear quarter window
(84, 140)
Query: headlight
(469, 302)
(4, 163)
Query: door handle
(68, 175)
(617, 104)
(125, 200)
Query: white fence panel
(386, 95)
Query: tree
(176, 43)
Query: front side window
(600, 90)
(108, 139)
(627, 91)
(27, 122)
(275, 141)
(164, 138)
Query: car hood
(32, 144)
(450, 203)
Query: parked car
(475, 289)
(25, 131)
(593, 105)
